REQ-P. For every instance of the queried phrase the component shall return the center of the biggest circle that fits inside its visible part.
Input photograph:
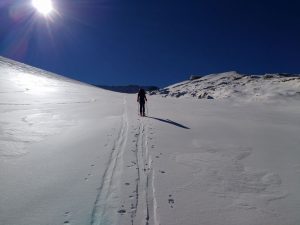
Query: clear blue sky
(154, 42)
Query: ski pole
(147, 108)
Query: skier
(141, 98)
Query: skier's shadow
(169, 121)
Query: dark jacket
(142, 96)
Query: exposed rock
(234, 85)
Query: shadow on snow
(169, 121)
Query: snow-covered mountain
(232, 85)
(74, 154)
(129, 89)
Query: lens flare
(44, 7)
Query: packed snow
(74, 154)
(235, 86)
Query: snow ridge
(232, 85)
(30, 70)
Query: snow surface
(235, 86)
(74, 154)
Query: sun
(44, 7)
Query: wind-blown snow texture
(74, 154)
(232, 85)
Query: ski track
(142, 204)
(105, 206)
(144, 187)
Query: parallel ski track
(103, 205)
(144, 198)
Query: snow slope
(129, 89)
(74, 154)
(232, 85)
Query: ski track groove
(144, 205)
(133, 214)
(145, 199)
(110, 177)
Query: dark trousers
(142, 107)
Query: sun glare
(44, 7)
